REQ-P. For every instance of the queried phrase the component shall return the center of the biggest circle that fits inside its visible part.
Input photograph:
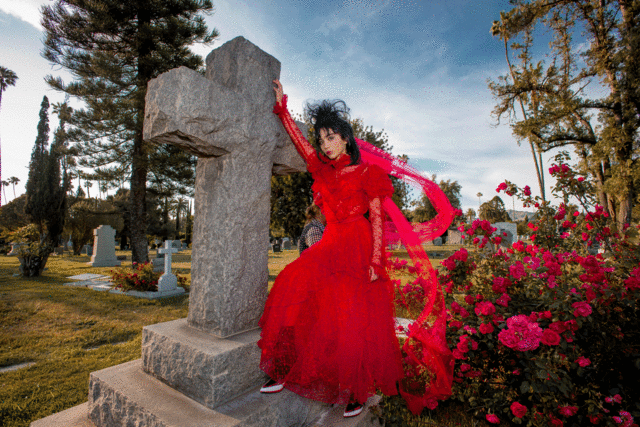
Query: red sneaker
(353, 409)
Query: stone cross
(168, 281)
(225, 118)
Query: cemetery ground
(57, 335)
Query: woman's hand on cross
(372, 274)
(278, 90)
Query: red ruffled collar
(341, 161)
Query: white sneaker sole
(353, 413)
(272, 389)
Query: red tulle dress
(327, 329)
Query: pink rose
(486, 328)
(465, 367)
(500, 285)
(518, 409)
(457, 354)
(550, 337)
(516, 270)
(527, 190)
(568, 411)
(493, 419)
(432, 403)
(485, 308)
(581, 309)
(461, 255)
(503, 300)
(583, 361)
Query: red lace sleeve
(376, 217)
(377, 186)
(306, 150)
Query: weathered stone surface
(208, 369)
(126, 396)
(72, 417)
(226, 119)
(104, 248)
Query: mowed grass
(69, 332)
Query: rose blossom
(581, 309)
(500, 285)
(485, 308)
(518, 409)
(568, 411)
(503, 300)
(550, 337)
(521, 334)
(583, 361)
(493, 419)
(486, 328)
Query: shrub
(546, 332)
(139, 278)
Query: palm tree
(5, 184)
(14, 180)
(7, 78)
(479, 195)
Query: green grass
(69, 332)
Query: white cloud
(26, 10)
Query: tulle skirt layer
(327, 331)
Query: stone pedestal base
(125, 395)
(206, 368)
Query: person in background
(313, 227)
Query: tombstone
(454, 237)
(14, 248)
(104, 248)
(507, 239)
(437, 241)
(506, 226)
(185, 246)
(87, 250)
(204, 370)
(287, 245)
(168, 282)
(176, 244)
(276, 247)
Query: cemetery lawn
(65, 333)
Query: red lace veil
(426, 343)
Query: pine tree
(113, 48)
(36, 204)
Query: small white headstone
(437, 241)
(168, 281)
(104, 248)
(176, 244)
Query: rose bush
(139, 278)
(545, 332)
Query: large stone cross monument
(225, 119)
(204, 370)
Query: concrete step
(72, 417)
(125, 395)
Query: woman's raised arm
(303, 146)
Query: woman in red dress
(328, 324)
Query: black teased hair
(333, 115)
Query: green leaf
(524, 387)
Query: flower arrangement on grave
(140, 277)
(547, 332)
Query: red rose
(583, 361)
(518, 409)
(550, 337)
(485, 308)
(486, 328)
(493, 419)
(568, 411)
(581, 309)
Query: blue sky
(416, 69)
